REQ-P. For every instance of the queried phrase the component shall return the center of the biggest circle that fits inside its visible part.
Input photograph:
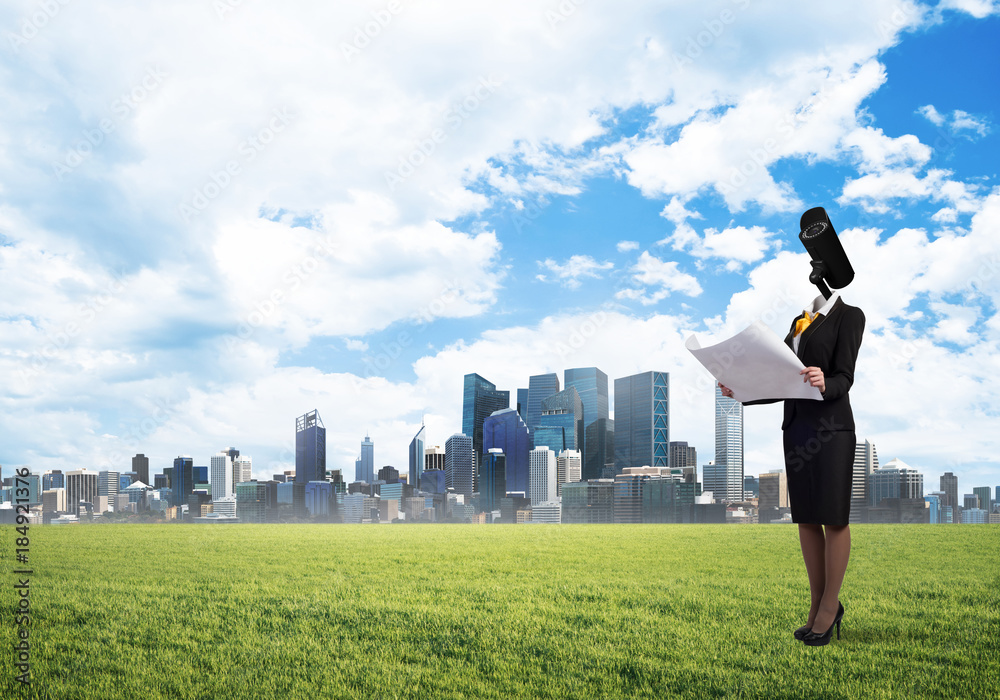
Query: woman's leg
(813, 545)
(838, 551)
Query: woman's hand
(814, 375)
(726, 391)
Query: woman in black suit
(819, 443)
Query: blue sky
(223, 215)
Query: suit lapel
(808, 332)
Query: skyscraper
(310, 448)
(773, 490)
(364, 465)
(480, 398)
(568, 468)
(895, 480)
(433, 458)
(458, 464)
(865, 462)
(81, 485)
(540, 387)
(242, 469)
(949, 484)
(221, 476)
(492, 480)
(522, 403)
(564, 409)
(543, 475)
(729, 444)
(182, 480)
(642, 420)
(417, 457)
(140, 465)
(600, 443)
(504, 430)
(108, 483)
(683, 456)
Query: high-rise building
(417, 456)
(949, 485)
(319, 496)
(53, 480)
(221, 476)
(140, 465)
(564, 409)
(108, 483)
(569, 467)
(714, 480)
(642, 420)
(364, 465)
(683, 456)
(182, 480)
(589, 501)
(492, 480)
(480, 399)
(773, 490)
(522, 403)
(540, 387)
(82, 485)
(251, 501)
(628, 492)
(551, 436)
(751, 486)
(242, 468)
(504, 430)
(729, 444)
(543, 475)
(895, 480)
(600, 443)
(458, 464)
(984, 497)
(592, 386)
(310, 448)
(434, 458)
(865, 462)
(388, 474)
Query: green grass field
(467, 611)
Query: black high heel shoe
(815, 639)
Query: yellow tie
(803, 323)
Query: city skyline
(206, 233)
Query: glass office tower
(480, 398)
(540, 387)
(182, 482)
(504, 430)
(729, 445)
(417, 457)
(310, 448)
(642, 420)
(565, 410)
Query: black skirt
(820, 467)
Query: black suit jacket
(831, 343)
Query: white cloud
(354, 344)
(664, 277)
(570, 272)
(932, 115)
(626, 246)
(977, 8)
(877, 192)
(957, 122)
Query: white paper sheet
(756, 364)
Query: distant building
(569, 468)
(433, 458)
(543, 475)
(642, 420)
(182, 480)
(492, 480)
(540, 387)
(81, 486)
(310, 448)
(480, 399)
(251, 501)
(319, 495)
(418, 458)
(388, 474)
(599, 441)
(504, 430)
(221, 475)
(773, 491)
(589, 501)
(564, 409)
(459, 464)
(729, 445)
(433, 480)
(140, 465)
(895, 480)
(865, 463)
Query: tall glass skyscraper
(522, 403)
(492, 480)
(140, 465)
(458, 464)
(540, 387)
(417, 458)
(600, 443)
(642, 420)
(182, 482)
(504, 430)
(729, 444)
(221, 476)
(564, 409)
(480, 398)
(592, 386)
(364, 466)
(865, 463)
(310, 448)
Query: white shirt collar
(823, 305)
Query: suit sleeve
(841, 376)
